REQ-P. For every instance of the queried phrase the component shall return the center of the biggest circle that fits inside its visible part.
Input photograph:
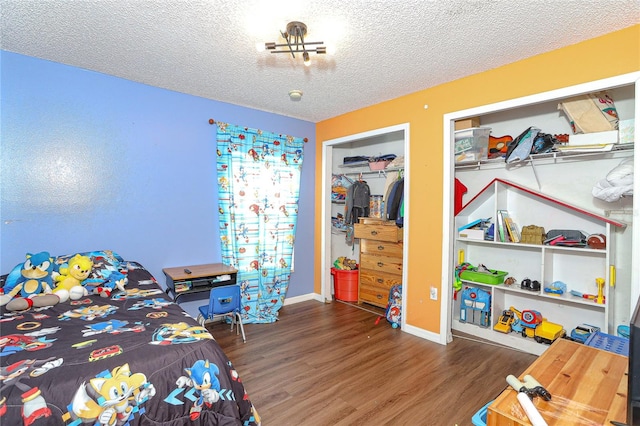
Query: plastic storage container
(609, 342)
(471, 144)
(345, 284)
(494, 278)
(480, 417)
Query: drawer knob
(374, 232)
(380, 247)
(380, 264)
(380, 280)
(379, 296)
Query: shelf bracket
(535, 173)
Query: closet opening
(380, 143)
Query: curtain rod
(212, 122)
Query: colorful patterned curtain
(258, 189)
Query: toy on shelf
(582, 332)
(600, 297)
(555, 288)
(475, 306)
(530, 285)
(505, 321)
(530, 323)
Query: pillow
(105, 262)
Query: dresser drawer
(380, 230)
(384, 248)
(375, 279)
(386, 264)
(377, 296)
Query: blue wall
(92, 162)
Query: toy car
(547, 332)
(504, 322)
(582, 332)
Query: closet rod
(371, 172)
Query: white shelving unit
(553, 191)
(577, 267)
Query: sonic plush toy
(29, 284)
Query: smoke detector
(295, 95)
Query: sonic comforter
(133, 358)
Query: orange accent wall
(602, 57)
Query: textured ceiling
(383, 49)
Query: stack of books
(507, 229)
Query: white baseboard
(424, 334)
(303, 298)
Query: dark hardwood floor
(330, 364)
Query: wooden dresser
(380, 259)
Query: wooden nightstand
(195, 281)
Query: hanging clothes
(357, 202)
(395, 198)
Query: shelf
(577, 267)
(511, 340)
(515, 288)
(547, 158)
(363, 169)
(541, 247)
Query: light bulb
(305, 57)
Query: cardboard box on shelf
(467, 123)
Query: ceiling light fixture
(294, 37)
(295, 95)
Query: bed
(118, 356)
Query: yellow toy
(69, 282)
(600, 297)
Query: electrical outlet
(434, 293)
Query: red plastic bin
(345, 284)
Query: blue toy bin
(480, 418)
(609, 342)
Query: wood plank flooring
(330, 364)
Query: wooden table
(588, 387)
(184, 281)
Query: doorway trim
(327, 167)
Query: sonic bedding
(116, 352)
